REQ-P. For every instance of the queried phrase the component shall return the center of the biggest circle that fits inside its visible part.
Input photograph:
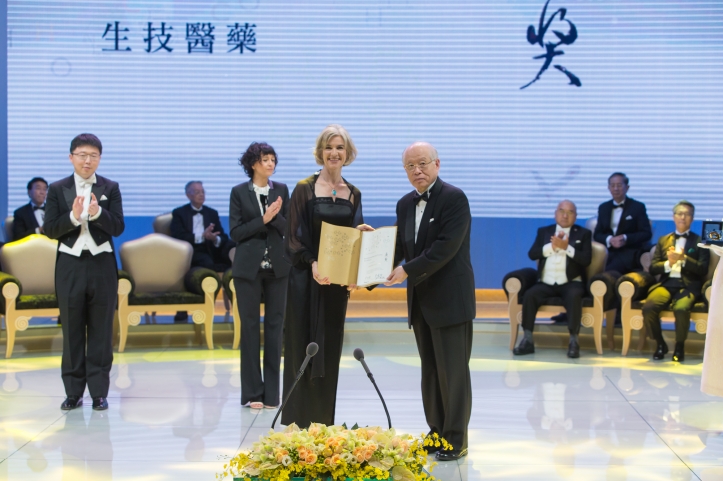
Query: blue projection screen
(177, 89)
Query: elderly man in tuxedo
(623, 226)
(29, 218)
(433, 238)
(84, 212)
(682, 267)
(563, 251)
(200, 226)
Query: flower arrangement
(335, 452)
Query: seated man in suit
(563, 251)
(29, 218)
(682, 267)
(623, 226)
(201, 227)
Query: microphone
(311, 351)
(359, 356)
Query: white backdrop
(392, 72)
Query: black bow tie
(678, 236)
(424, 197)
(621, 205)
(38, 207)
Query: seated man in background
(563, 251)
(682, 267)
(201, 227)
(29, 218)
(623, 226)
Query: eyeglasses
(421, 165)
(681, 213)
(85, 157)
(566, 212)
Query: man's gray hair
(188, 185)
(432, 152)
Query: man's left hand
(559, 241)
(93, 206)
(397, 276)
(618, 241)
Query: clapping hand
(272, 209)
(674, 256)
(559, 241)
(209, 234)
(78, 207)
(93, 206)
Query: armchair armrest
(609, 278)
(706, 291)
(526, 277)
(126, 275)
(193, 280)
(641, 281)
(6, 278)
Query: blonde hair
(329, 132)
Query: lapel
(690, 243)
(254, 200)
(409, 226)
(626, 209)
(69, 191)
(424, 223)
(98, 188)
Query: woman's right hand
(315, 272)
(272, 210)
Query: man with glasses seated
(682, 267)
(563, 251)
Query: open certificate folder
(349, 256)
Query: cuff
(667, 267)
(75, 221)
(547, 250)
(217, 242)
(97, 214)
(198, 238)
(570, 251)
(37, 230)
(625, 237)
(607, 241)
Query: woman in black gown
(316, 309)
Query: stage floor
(175, 415)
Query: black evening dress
(314, 312)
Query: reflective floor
(175, 415)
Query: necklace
(334, 186)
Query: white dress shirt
(198, 228)
(675, 269)
(85, 240)
(39, 216)
(419, 212)
(555, 270)
(615, 217)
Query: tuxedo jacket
(182, 225)
(438, 264)
(634, 223)
(59, 204)
(24, 222)
(695, 270)
(252, 236)
(580, 238)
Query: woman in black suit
(257, 218)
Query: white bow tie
(83, 183)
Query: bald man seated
(562, 250)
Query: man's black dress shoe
(71, 402)
(524, 347)
(560, 318)
(181, 316)
(661, 351)
(679, 353)
(573, 350)
(100, 403)
(452, 455)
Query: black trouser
(571, 294)
(215, 258)
(681, 302)
(248, 298)
(623, 261)
(87, 291)
(446, 386)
